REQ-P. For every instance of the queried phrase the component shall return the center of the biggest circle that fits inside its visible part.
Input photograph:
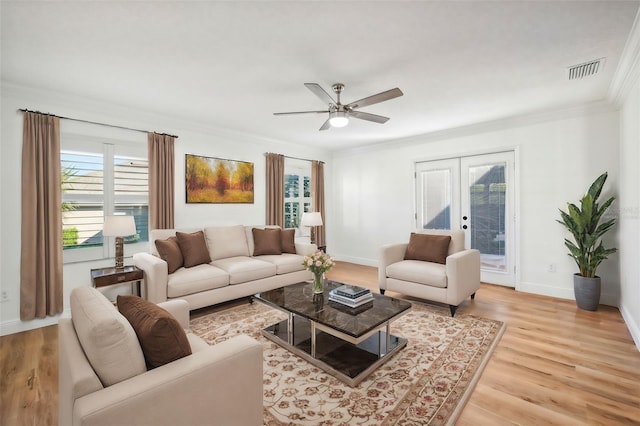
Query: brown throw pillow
(169, 251)
(194, 248)
(428, 248)
(266, 241)
(288, 241)
(161, 337)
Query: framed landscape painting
(216, 180)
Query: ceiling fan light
(338, 119)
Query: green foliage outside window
(70, 236)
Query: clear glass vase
(318, 282)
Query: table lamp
(119, 227)
(312, 219)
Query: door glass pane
(487, 189)
(436, 199)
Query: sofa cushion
(288, 242)
(428, 248)
(194, 248)
(107, 338)
(285, 262)
(418, 271)
(226, 241)
(266, 241)
(242, 269)
(161, 337)
(194, 280)
(169, 251)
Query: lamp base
(119, 253)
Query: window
(101, 178)
(297, 192)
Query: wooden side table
(102, 277)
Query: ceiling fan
(339, 114)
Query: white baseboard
(562, 293)
(356, 260)
(634, 328)
(545, 290)
(17, 326)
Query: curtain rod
(295, 158)
(95, 122)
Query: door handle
(464, 226)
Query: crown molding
(94, 110)
(581, 110)
(628, 69)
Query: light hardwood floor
(555, 364)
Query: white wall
(558, 156)
(194, 138)
(630, 211)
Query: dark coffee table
(348, 343)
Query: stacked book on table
(351, 296)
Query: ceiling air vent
(576, 72)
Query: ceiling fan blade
(374, 99)
(326, 125)
(301, 112)
(369, 117)
(321, 93)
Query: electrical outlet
(4, 296)
(552, 267)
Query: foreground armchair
(220, 384)
(434, 265)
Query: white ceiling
(232, 64)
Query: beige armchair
(220, 384)
(451, 282)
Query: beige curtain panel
(275, 189)
(317, 194)
(41, 237)
(161, 181)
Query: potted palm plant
(587, 249)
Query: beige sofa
(451, 282)
(233, 272)
(103, 378)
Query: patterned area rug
(427, 382)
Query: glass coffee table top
(355, 322)
(349, 343)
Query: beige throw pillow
(106, 337)
(226, 241)
(266, 241)
(193, 248)
(161, 337)
(169, 251)
(428, 248)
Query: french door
(473, 193)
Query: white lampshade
(338, 119)
(311, 219)
(119, 226)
